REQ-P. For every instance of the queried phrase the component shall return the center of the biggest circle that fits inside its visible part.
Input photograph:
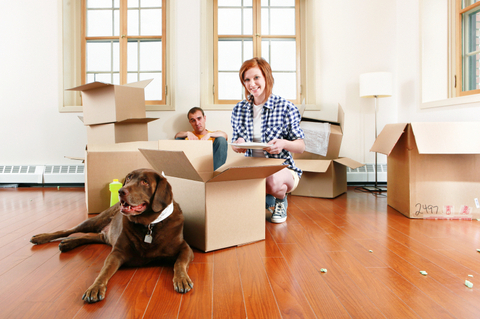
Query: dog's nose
(123, 192)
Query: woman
(267, 118)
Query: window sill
(468, 99)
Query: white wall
(354, 37)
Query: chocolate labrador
(147, 224)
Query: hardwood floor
(373, 256)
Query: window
(468, 47)
(249, 28)
(118, 42)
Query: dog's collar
(165, 213)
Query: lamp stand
(375, 188)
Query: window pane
(103, 77)
(282, 3)
(100, 23)
(229, 55)
(132, 56)
(266, 50)
(247, 51)
(151, 22)
(151, 56)
(471, 50)
(132, 77)
(466, 3)
(230, 21)
(133, 22)
(283, 55)
(229, 3)
(151, 3)
(153, 91)
(132, 4)
(116, 78)
(99, 56)
(116, 23)
(247, 21)
(229, 87)
(285, 85)
(96, 4)
(116, 56)
(278, 21)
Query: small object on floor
(423, 272)
(324, 270)
(58, 188)
(371, 251)
(468, 284)
(470, 275)
(478, 250)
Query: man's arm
(186, 134)
(215, 134)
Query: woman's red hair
(267, 74)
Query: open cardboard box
(325, 176)
(108, 103)
(222, 208)
(433, 169)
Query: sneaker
(280, 213)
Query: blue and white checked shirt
(280, 120)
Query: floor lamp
(376, 84)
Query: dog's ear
(163, 194)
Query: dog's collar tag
(148, 236)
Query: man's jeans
(220, 148)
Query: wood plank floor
(373, 256)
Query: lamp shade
(376, 84)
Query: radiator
(42, 174)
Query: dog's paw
(95, 293)
(67, 244)
(182, 284)
(40, 239)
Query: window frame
(307, 71)
(460, 48)
(72, 42)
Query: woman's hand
(277, 145)
(238, 149)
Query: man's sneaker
(280, 213)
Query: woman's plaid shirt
(280, 120)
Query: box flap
(312, 165)
(172, 163)
(341, 117)
(89, 86)
(349, 162)
(121, 147)
(199, 153)
(388, 137)
(128, 121)
(140, 84)
(447, 138)
(248, 172)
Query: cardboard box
(335, 138)
(104, 163)
(324, 178)
(130, 130)
(222, 208)
(433, 169)
(108, 103)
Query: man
(197, 120)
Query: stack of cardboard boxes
(325, 176)
(114, 113)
